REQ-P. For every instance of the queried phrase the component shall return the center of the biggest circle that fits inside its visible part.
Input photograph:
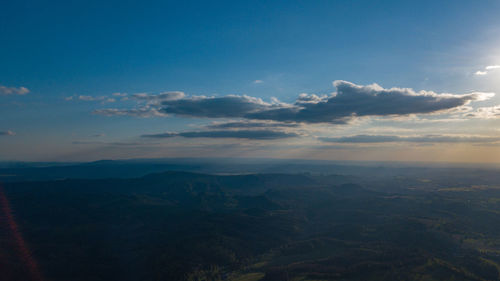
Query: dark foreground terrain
(191, 226)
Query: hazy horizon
(259, 160)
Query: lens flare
(22, 247)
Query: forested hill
(189, 226)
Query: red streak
(21, 245)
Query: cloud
(165, 96)
(414, 139)
(490, 67)
(258, 81)
(312, 98)
(215, 107)
(103, 99)
(13, 90)
(485, 112)
(231, 106)
(93, 98)
(144, 112)
(353, 100)
(350, 101)
(88, 98)
(7, 133)
(247, 124)
(239, 134)
(486, 70)
(109, 143)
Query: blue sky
(79, 58)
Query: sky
(331, 80)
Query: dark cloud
(246, 124)
(13, 90)
(110, 143)
(202, 107)
(352, 100)
(239, 134)
(7, 133)
(348, 102)
(414, 139)
(215, 107)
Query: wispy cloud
(110, 143)
(13, 90)
(141, 97)
(165, 96)
(143, 112)
(485, 112)
(486, 70)
(102, 99)
(94, 98)
(89, 98)
(413, 139)
(119, 94)
(258, 81)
